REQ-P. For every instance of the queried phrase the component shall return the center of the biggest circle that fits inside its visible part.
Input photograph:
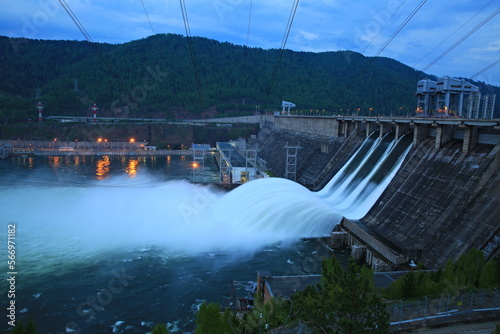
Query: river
(117, 244)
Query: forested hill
(154, 77)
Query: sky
(363, 26)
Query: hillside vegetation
(154, 77)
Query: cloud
(308, 35)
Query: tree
(160, 329)
(30, 328)
(344, 302)
(490, 275)
(210, 321)
(272, 314)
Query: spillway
(357, 186)
(278, 206)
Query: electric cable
(77, 22)
(87, 36)
(463, 38)
(291, 17)
(385, 24)
(249, 20)
(495, 63)
(145, 11)
(191, 51)
(405, 22)
(444, 40)
(389, 40)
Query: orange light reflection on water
(55, 162)
(132, 167)
(102, 168)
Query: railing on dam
(447, 308)
(470, 131)
(141, 153)
(84, 148)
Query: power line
(185, 17)
(191, 51)
(389, 40)
(397, 9)
(77, 22)
(249, 20)
(145, 11)
(473, 30)
(405, 22)
(293, 11)
(495, 63)
(85, 34)
(415, 65)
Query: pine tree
(210, 321)
(344, 302)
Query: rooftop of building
(234, 157)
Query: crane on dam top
(286, 107)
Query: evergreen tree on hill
(153, 77)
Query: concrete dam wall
(441, 203)
(444, 200)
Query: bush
(160, 329)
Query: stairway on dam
(440, 204)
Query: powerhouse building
(448, 97)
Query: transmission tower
(291, 161)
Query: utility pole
(94, 108)
(39, 106)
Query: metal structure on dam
(442, 202)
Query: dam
(442, 201)
(439, 201)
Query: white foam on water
(57, 224)
(63, 224)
